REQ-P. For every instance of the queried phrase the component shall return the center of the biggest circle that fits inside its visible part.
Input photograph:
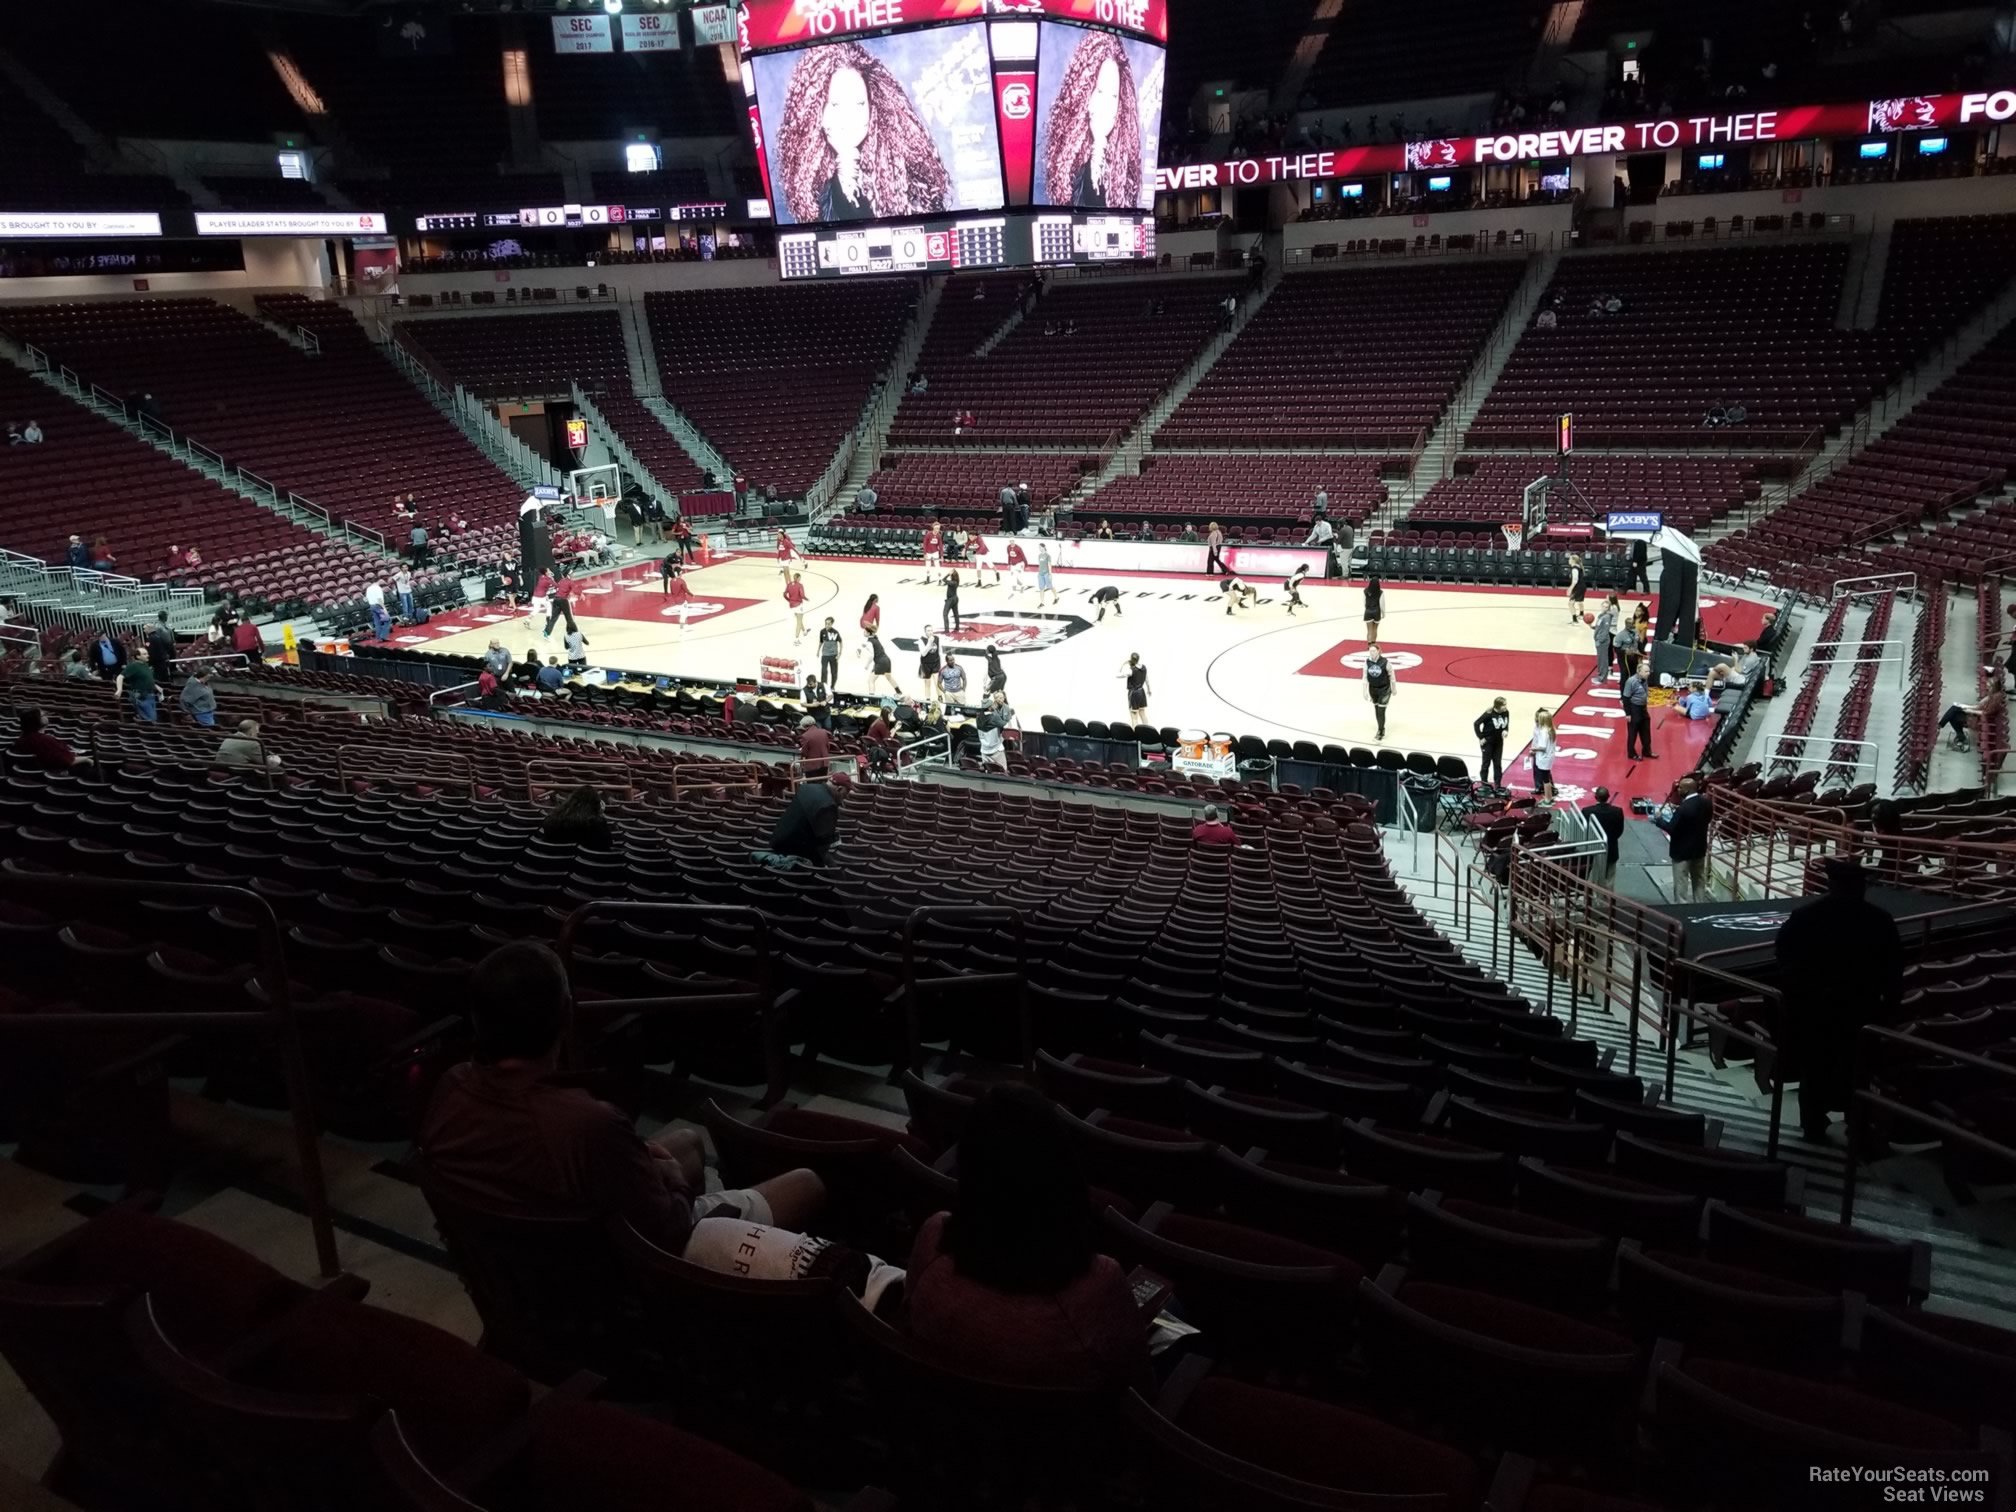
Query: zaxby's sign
(1792, 123)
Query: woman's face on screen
(1104, 108)
(846, 120)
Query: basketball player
(1237, 593)
(934, 545)
(979, 550)
(1378, 685)
(1295, 587)
(1136, 677)
(1107, 597)
(669, 567)
(787, 552)
(829, 655)
(682, 599)
(1375, 607)
(1044, 582)
(879, 667)
(1578, 587)
(930, 659)
(1018, 563)
(794, 595)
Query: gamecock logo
(695, 609)
(1034, 632)
(1015, 103)
(1437, 154)
(1745, 923)
(1399, 661)
(1912, 113)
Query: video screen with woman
(881, 129)
(1098, 119)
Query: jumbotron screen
(906, 135)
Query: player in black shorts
(1238, 593)
(1105, 598)
(1295, 587)
(1137, 689)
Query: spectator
(72, 663)
(1009, 1281)
(1741, 673)
(1212, 829)
(136, 682)
(577, 650)
(32, 434)
(245, 638)
(814, 746)
(1545, 321)
(496, 658)
(102, 558)
(198, 702)
(402, 584)
(417, 538)
(36, 744)
(1609, 819)
(808, 829)
(77, 554)
(14, 436)
(108, 655)
(1322, 505)
(487, 696)
(161, 647)
(245, 748)
(1686, 827)
(1957, 716)
(374, 604)
(578, 819)
(995, 718)
(1697, 704)
(147, 407)
(1842, 964)
(504, 1134)
(866, 499)
(1189, 537)
(549, 677)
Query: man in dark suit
(1841, 965)
(1640, 561)
(1608, 818)
(1687, 841)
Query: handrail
(1019, 978)
(243, 658)
(577, 772)
(730, 776)
(278, 1018)
(776, 1052)
(347, 757)
(451, 688)
(1862, 1101)
(1762, 1047)
(944, 736)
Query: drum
(1221, 747)
(1190, 744)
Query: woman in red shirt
(794, 595)
(871, 619)
(1009, 1281)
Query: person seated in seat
(1212, 829)
(1736, 675)
(506, 1135)
(40, 748)
(1008, 1283)
(1697, 704)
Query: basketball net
(1515, 535)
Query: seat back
(551, 1292)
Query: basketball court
(1258, 672)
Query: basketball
(1588, 618)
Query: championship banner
(583, 34)
(652, 31)
(794, 23)
(713, 24)
(1908, 113)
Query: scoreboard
(946, 245)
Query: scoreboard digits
(951, 245)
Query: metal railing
(372, 763)
(1683, 1008)
(1861, 764)
(1896, 582)
(1864, 1101)
(275, 1022)
(930, 756)
(761, 999)
(914, 985)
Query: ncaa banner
(713, 23)
(1015, 116)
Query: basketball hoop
(1515, 534)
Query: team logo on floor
(1399, 661)
(1744, 923)
(1028, 632)
(695, 609)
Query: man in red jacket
(1213, 830)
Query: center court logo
(1399, 661)
(1032, 632)
(695, 609)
